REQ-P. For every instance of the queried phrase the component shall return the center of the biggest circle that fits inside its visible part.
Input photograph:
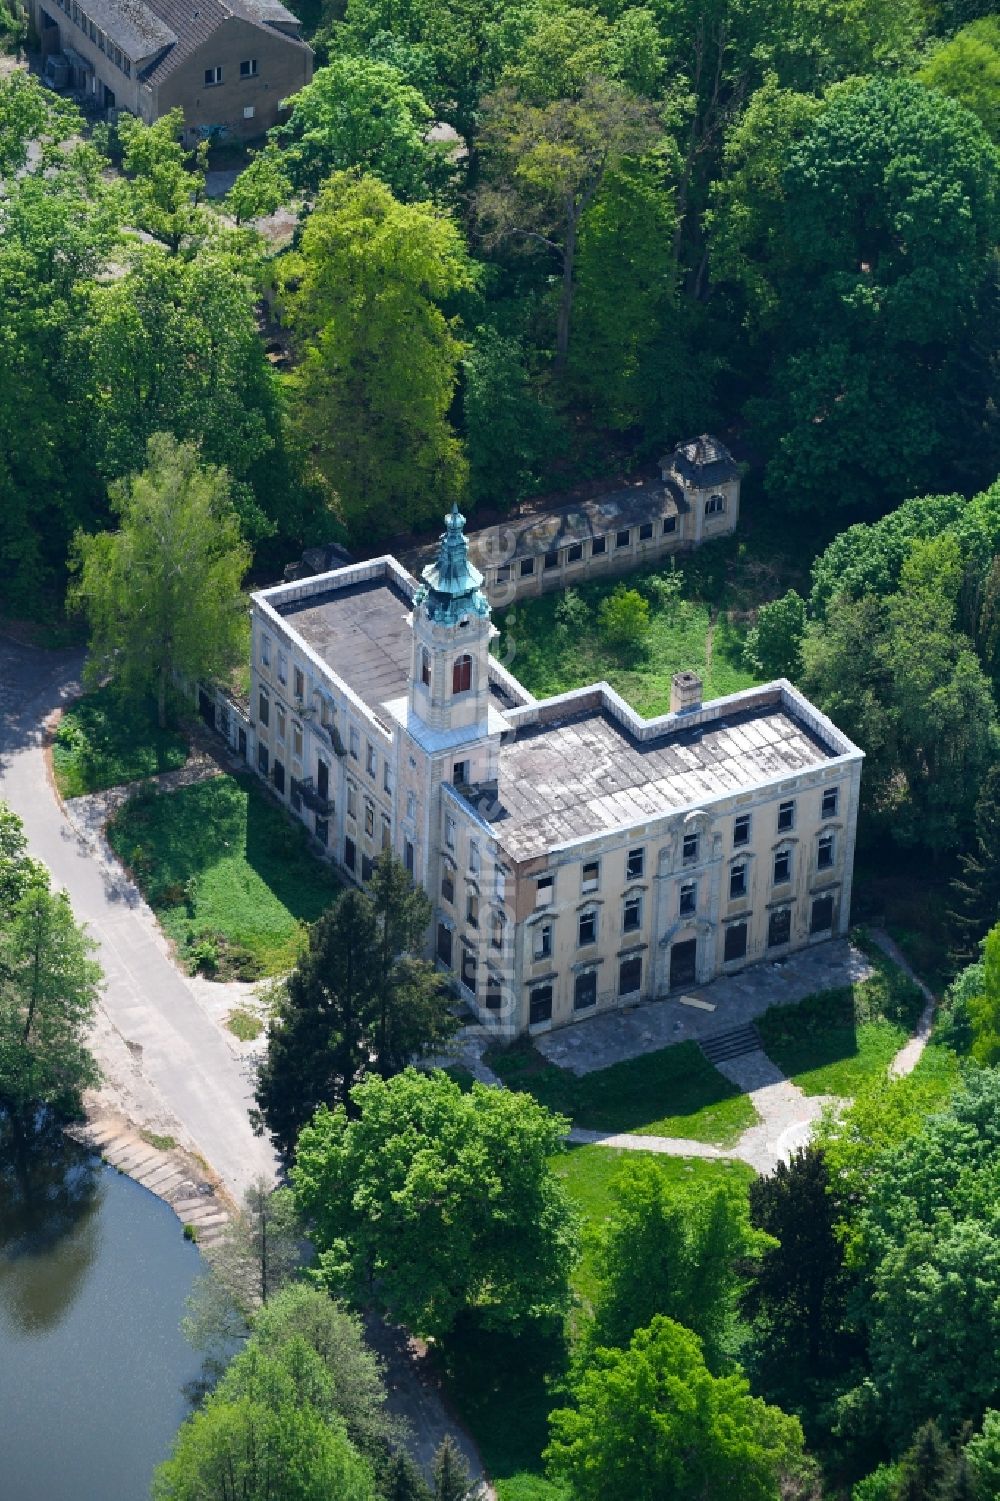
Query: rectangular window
(265, 650)
(824, 853)
(369, 818)
(540, 1005)
(212, 77)
(598, 546)
(295, 797)
(737, 881)
(669, 525)
(264, 709)
(322, 830)
(624, 537)
(411, 805)
(248, 111)
(352, 800)
(735, 942)
(831, 801)
(355, 740)
(543, 941)
(741, 830)
(779, 927)
(371, 760)
(367, 867)
(460, 774)
(499, 880)
(645, 531)
(474, 857)
(690, 851)
(425, 668)
(297, 740)
(469, 969)
(386, 777)
(632, 919)
(472, 909)
(409, 856)
(715, 505)
(503, 573)
(262, 760)
(786, 816)
(444, 944)
(630, 975)
(689, 899)
(591, 876)
(449, 831)
(574, 552)
(278, 776)
(249, 68)
(635, 864)
(527, 567)
(551, 561)
(493, 998)
(386, 833)
(496, 937)
(544, 891)
(281, 723)
(821, 920)
(299, 683)
(588, 928)
(782, 867)
(282, 667)
(585, 990)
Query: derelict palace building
(578, 856)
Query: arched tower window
(425, 667)
(461, 675)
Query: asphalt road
(184, 1057)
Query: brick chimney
(685, 692)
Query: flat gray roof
(361, 632)
(585, 775)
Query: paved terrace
(585, 774)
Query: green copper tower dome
(452, 587)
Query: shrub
(624, 619)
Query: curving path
(169, 1057)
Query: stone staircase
(732, 1044)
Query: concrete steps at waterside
(170, 1174)
(732, 1044)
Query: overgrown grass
(672, 1092)
(103, 740)
(231, 879)
(244, 1025)
(552, 650)
(834, 1042)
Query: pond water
(94, 1272)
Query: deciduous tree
(49, 985)
(545, 164)
(650, 1421)
(162, 594)
(433, 1202)
(166, 183)
(359, 113)
(379, 355)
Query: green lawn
(589, 1172)
(672, 1092)
(230, 877)
(694, 632)
(505, 1388)
(832, 1043)
(103, 741)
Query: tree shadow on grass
(504, 1387)
(673, 1091)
